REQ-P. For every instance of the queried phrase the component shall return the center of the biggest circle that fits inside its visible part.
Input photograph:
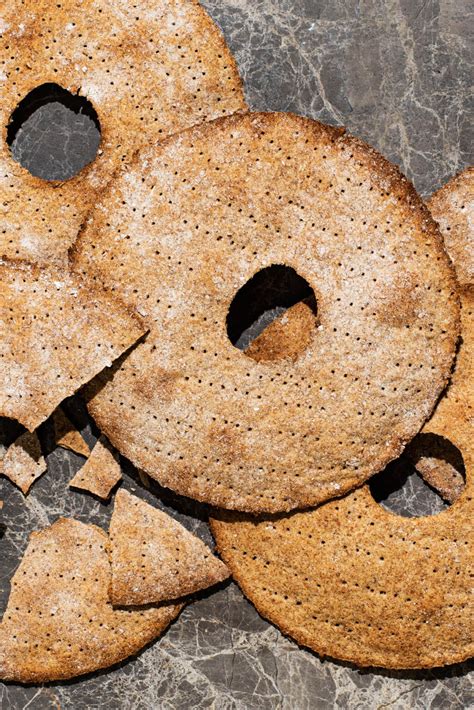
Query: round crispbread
(59, 622)
(181, 231)
(452, 206)
(149, 68)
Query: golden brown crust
(59, 622)
(186, 227)
(150, 69)
(101, 472)
(23, 462)
(57, 333)
(154, 558)
(452, 206)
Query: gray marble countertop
(397, 74)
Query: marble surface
(396, 74)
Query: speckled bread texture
(59, 622)
(186, 227)
(286, 337)
(356, 582)
(154, 558)
(100, 473)
(453, 208)
(58, 332)
(149, 68)
(23, 462)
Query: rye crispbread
(59, 622)
(150, 68)
(23, 462)
(58, 332)
(66, 434)
(154, 558)
(182, 230)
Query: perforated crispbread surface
(356, 582)
(186, 227)
(154, 558)
(452, 206)
(59, 622)
(149, 68)
(57, 333)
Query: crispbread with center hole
(149, 68)
(183, 230)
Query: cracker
(452, 207)
(352, 580)
(23, 462)
(154, 558)
(149, 68)
(100, 473)
(66, 434)
(58, 332)
(59, 622)
(186, 227)
(437, 464)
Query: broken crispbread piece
(100, 473)
(59, 622)
(58, 332)
(286, 337)
(66, 434)
(154, 558)
(23, 462)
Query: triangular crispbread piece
(23, 462)
(59, 622)
(66, 434)
(154, 558)
(58, 332)
(101, 472)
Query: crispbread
(186, 227)
(100, 473)
(66, 435)
(356, 582)
(149, 68)
(59, 622)
(57, 333)
(452, 206)
(154, 558)
(23, 462)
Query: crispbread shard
(66, 435)
(452, 206)
(59, 622)
(58, 332)
(150, 68)
(23, 462)
(181, 232)
(100, 473)
(154, 558)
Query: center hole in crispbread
(426, 479)
(265, 300)
(53, 133)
